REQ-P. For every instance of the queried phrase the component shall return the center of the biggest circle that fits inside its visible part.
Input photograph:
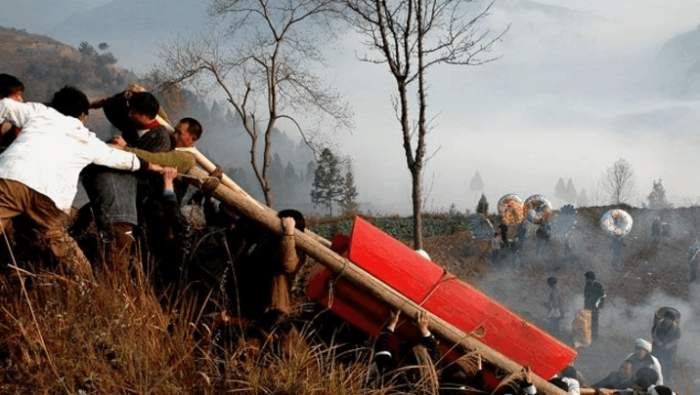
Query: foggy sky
(556, 104)
(575, 88)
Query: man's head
(590, 276)
(569, 372)
(299, 221)
(143, 108)
(645, 377)
(559, 383)
(552, 281)
(11, 87)
(71, 102)
(626, 369)
(187, 132)
(642, 348)
(661, 390)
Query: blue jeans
(112, 196)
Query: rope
(445, 277)
(331, 284)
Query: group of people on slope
(134, 194)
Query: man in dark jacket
(619, 379)
(593, 298)
(120, 200)
(693, 259)
(265, 266)
(665, 334)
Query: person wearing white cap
(641, 358)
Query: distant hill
(45, 65)
(679, 64)
(134, 28)
(42, 15)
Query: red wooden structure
(427, 284)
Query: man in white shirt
(39, 171)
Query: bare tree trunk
(417, 210)
(417, 171)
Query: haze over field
(576, 86)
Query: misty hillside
(119, 22)
(679, 60)
(45, 65)
(42, 15)
(562, 13)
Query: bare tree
(618, 181)
(262, 64)
(411, 36)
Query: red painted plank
(453, 300)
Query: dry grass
(117, 338)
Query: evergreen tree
(310, 171)
(560, 190)
(348, 200)
(477, 183)
(571, 193)
(582, 200)
(276, 170)
(657, 196)
(290, 184)
(483, 206)
(327, 187)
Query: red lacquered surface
(426, 283)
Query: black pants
(554, 326)
(666, 358)
(594, 323)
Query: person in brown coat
(289, 263)
(265, 266)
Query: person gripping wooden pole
(245, 205)
(211, 167)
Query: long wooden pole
(248, 207)
(209, 166)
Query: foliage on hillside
(45, 65)
(397, 226)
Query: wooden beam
(240, 201)
(209, 166)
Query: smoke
(571, 92)
(652, 277)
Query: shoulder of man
(157, 139)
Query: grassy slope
(114, 338)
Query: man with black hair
(117, 108)
(593, 298)
(572, 378)
(40, 181)
(119, 200)
(187, 132)
(266, 265)
(666, 333)
(11, 88)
